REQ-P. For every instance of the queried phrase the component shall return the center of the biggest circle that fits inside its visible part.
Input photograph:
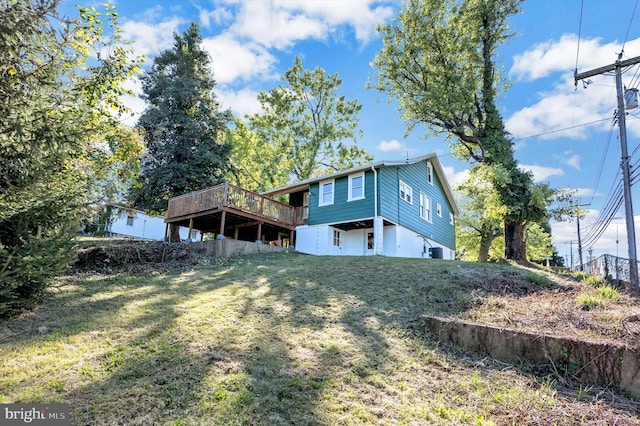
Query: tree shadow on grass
(279, 341)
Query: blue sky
(252, 42)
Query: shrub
(608, 292)
(589, 302)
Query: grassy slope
(274, 339)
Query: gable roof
(437, 167)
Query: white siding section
(136, 224)
(307, 239)
(141, 225)
(390, 241)
(396, 241)
(355, 242)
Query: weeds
(608, 292)
(589, 302)
(537, 279)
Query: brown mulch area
(131, 255)
(509, 300)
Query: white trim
(351, 178)
(439, 209)
(321, 192)
(405, 192)
(429, 173)
(425, 211)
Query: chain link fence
(612, 268)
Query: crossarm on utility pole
(607, 68)
(626, 173)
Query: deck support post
(222, 220)
(190, 228)
(166, 231)
(259, 236)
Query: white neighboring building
(137, 224)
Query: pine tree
(183, 127)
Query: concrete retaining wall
(602, 364)
(232, 248)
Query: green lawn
(280, 339)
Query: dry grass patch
(282, 339)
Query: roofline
(378, 165)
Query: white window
(430, 173)
(406, 192)
(326, 192)
(130, 220)
(336, 238)
(356, 187)
(439, 209)
(425, 207)
(451, 218)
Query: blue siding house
(389, 208)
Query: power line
(562, 130)
(626, 36)
(602, 161)
(579, 34)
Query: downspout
(375, 192)
(375, 209)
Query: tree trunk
(174, 233)
(515, 247)
(487, 235)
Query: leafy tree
(439, 63)
(58, 137)
(482, 214)
(183, 128)
(539, 242)
(307, 126)
(256, 164)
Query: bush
(608, 292)
(26, 267)
(588, 302)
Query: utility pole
(571, 252)
(581, 265)
(626, 174)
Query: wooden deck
(246, 208)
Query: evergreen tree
(57, 137)
(183, 127)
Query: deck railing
(231, 196)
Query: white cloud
(585, 192)
(133, 102)
(565, 237)
(572, 161)
(392, 145)
(552, 56)
(277, 27)
(455, 178)
(233, 60)
(151, 38)
(567, 110)
(541, 173)
(219, 15)
(281, 23)
(242, 102)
